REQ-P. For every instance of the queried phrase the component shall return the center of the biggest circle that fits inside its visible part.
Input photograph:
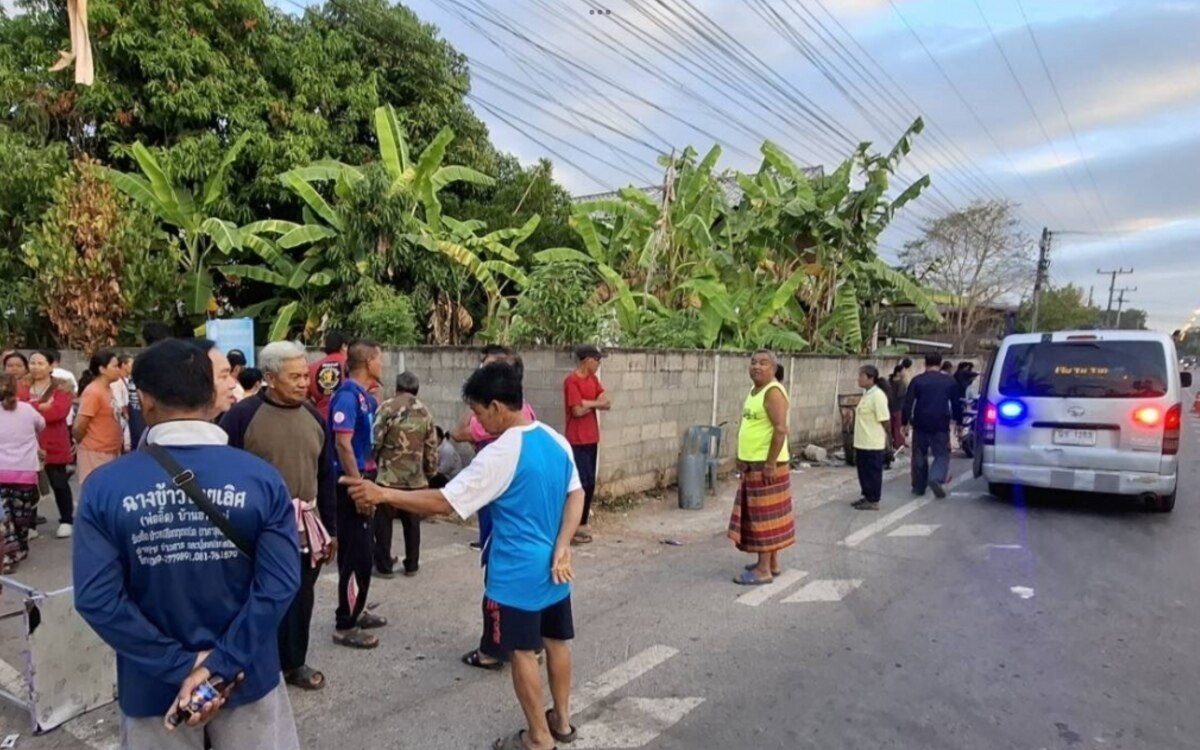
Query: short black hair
(203, 345)
(779, 373)
(492, 350)
(236, 358)
(905, 363)
(17, 355)
(334, 341)
(406, 382)
(155, 331)
(101, 359)
(498, 381)
(124, 357)
(871, 371)
(53, 356)
(249, 377)
(360, 353)
(933, 359)
(175, 373)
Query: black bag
(185, 480)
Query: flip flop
(305, 678)
(749, 579)
(567, 738)
(512, 742)
(472, 659)
(369, 621)
(355, 639)
(752, 566)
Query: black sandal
(355, 639)
(370, 620)
(474, 659)
(305, 678)
(567, 738)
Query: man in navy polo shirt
(162, 585)
(352, 421)
(527, 477)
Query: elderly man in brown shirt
(406, 449)
(280, 426)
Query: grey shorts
(266, 724)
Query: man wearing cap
(583, 396)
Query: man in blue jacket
(930, 404)
(162, 585)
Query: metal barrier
(68, 670)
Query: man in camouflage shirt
(406, 449)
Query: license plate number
(1075, 437)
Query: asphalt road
(1064, 621)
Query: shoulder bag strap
(185, 480)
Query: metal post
(1040, 280)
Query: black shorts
(507, 629)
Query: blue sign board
(233, 333)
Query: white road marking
(1022, 591)
(1003, 546)
(824, 591)
(873, 528)
(761, 594)
(614, 679)
(636, 723)
(915, 529)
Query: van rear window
(1091, 369)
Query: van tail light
(1148, 416)
(990, 416)
(1171, 427)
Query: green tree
(1063, 308)
(557, 307)
(203, 237)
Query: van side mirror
(1185, 379)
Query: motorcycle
(966, 430)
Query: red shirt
(583, 430)
(324, 377)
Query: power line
(971, 109)
(1033, 111)
(1067, 117)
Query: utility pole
(1112, 288)
(1121, 302)
(1043, 269)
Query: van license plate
(1075, 437)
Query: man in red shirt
(326, 374)
(583, 396)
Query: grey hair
(769, 353)
(406, 382)
(273, 355)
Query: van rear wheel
(1163, 503)
(1001, 491)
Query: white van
(1090, 411)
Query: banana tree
(201, 235)
(300, 285)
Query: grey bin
(699, 459)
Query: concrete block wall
(656, 395)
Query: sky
(1085, 113)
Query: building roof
(733, 192)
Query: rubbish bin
(847, 404)
(699, 459)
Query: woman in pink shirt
(20, 424)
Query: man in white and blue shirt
(527, 478)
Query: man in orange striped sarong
(762, 521)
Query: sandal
(305, 678)
(355, 639)
(747, 578)
(774, 573)
(514, 741)
(567, 738)
(581, 537)
(370, 621)
(474, 659)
